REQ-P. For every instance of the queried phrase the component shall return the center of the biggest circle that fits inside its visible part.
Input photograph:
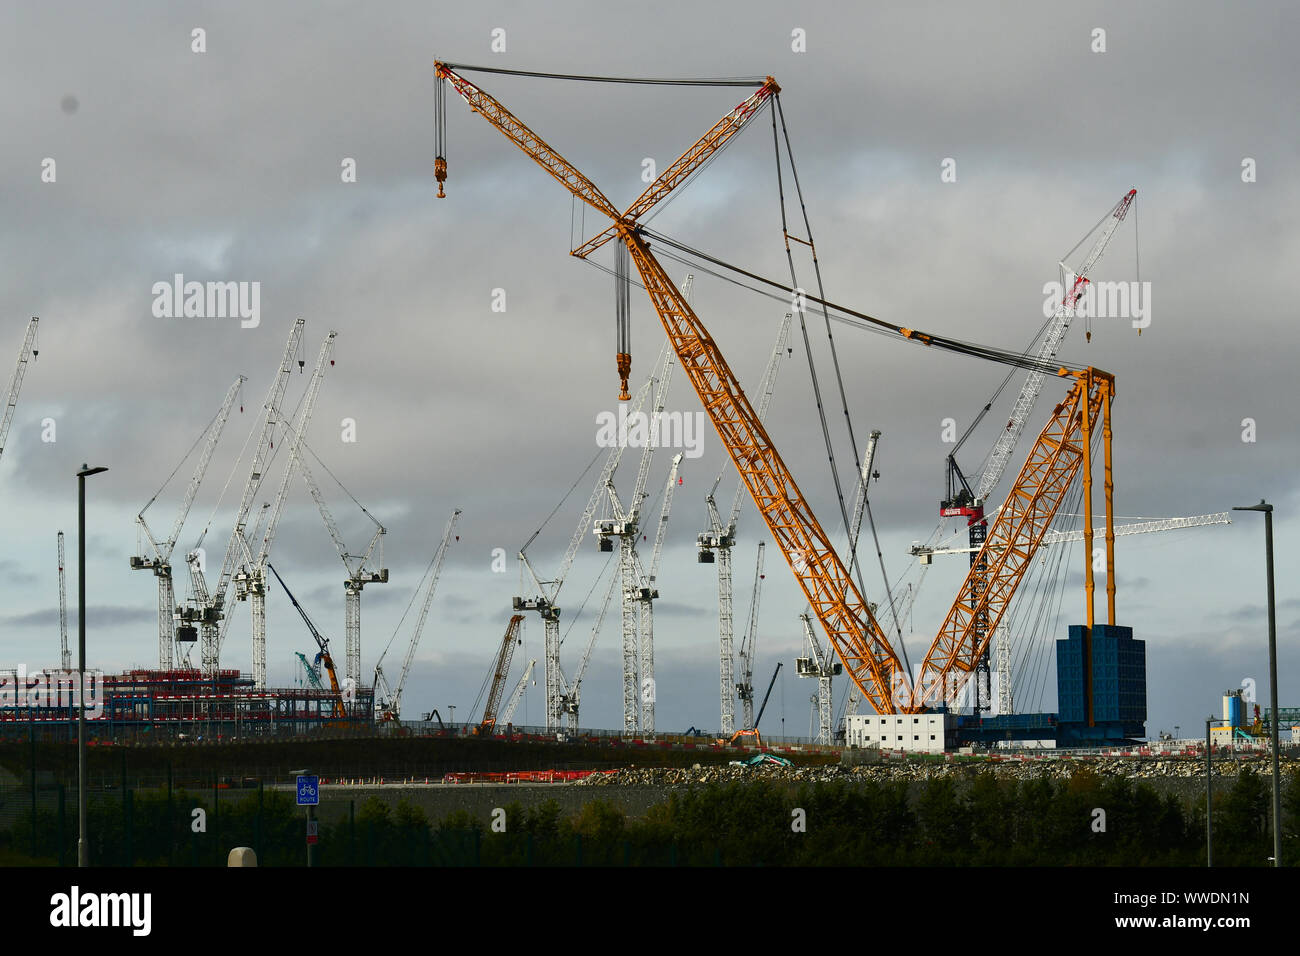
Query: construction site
(880, 519)
(1026, 500)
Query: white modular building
(914, 733)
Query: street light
(1209, 793)
(83, 850)
(1272, 671)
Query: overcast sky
(227, 165)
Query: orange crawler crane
(504, 656)
(858, 639)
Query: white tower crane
(358, 574)
(548, 592)
(749, 647)
(388, 702)
(28, 351)
(625, 525)
(721, 538)
(508, 714)
(820, 665)
(250, 583)
(206, 610)
(571, 698)
(63, 612)
(645, 596)
(160, 563)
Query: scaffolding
(175, 704)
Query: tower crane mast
(625, 526)
(646, 596)
(358, 574)
(721, 538)
(548, 592)
(160, 562)
(250, 583)
(749, 646)
(393, 708)
(66, 656)
(817, 664)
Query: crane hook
(440, 174)
(624, 363)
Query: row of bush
(1086, 820)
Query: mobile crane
(323, 656)
(1062, 449)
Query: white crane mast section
(439, 557)
(66, 656)
(508, 714)
(27, 352)
(1048, 347)
(824, 671)
(749, 645)
(724, 535)
(649, 690)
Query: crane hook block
(624, 362)
(440, 174)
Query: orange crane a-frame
(1061, 449)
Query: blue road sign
(308, 791)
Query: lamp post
(1209, 794)
(83, 850)
(1272, 672)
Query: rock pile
(1137, 768)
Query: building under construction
(176, 704)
